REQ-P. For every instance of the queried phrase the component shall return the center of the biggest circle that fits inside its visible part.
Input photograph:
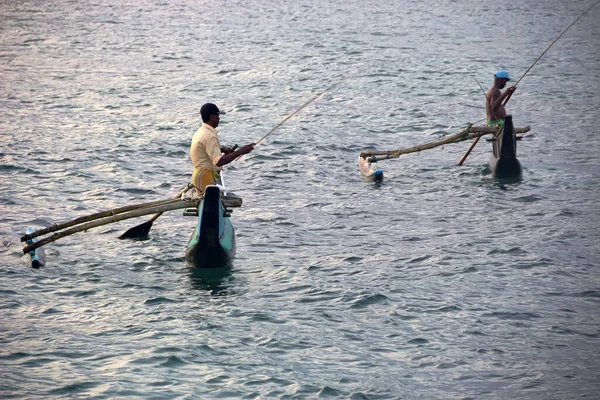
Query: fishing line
(555, 40)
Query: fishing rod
(296, 112)
(464, 157)
(551, 44)
(481, 87)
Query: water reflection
(486, 173)
(503, 182)
(215, 280)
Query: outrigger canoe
(503, 162)
(212, 245)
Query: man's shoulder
(205, 131)
(493, 92)
(209, 130)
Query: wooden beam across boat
(173, 205)
(467, 133)
(87, 218)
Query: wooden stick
(177, 204)
(459, 137)
(102, 214)
(499, 132)
(464, 157)
(465, 134)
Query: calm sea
(440, 283)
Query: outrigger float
(37, 257)
(212, 244)
(368, 169)
(503, 162)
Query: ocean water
(439, 283)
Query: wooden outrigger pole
(166, 206)
(142, 229)
(101, 214)
(467, 133)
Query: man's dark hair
(208, 110)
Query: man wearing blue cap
(206, 152)
(494, 99)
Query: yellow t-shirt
(205, 150)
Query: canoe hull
(506, 168)
(212, 245)
(504, 163)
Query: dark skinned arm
(227, 150)
(227, 158)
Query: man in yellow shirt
(206, 152)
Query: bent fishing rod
(464, 157)
(296, 112)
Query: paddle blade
(139, 231)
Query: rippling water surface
(439, 283)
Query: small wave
(529, 199)
(74, 388)
(419, 259)
(160, 300)
(173, 361)
(15, 356)
(518, 316)
(588, 293)
(418, 341)
(370, 300)
(445, 309)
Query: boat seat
(231, 200)
(190, 212)
(493, 140)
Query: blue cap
(502, 74)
